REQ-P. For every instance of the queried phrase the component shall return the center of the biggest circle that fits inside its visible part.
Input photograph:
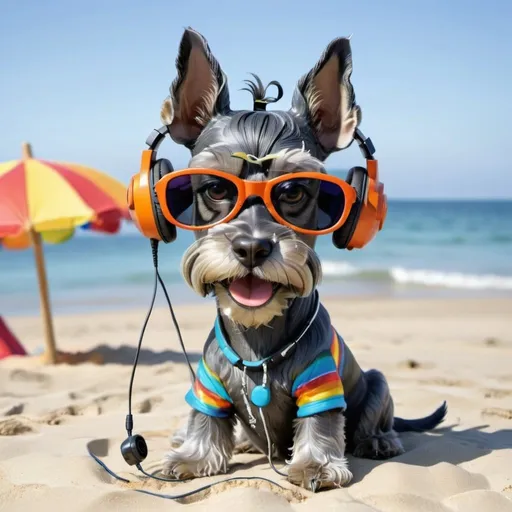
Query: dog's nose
(251, 252)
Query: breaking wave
(420, 277)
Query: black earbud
(134, 449)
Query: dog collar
(269, 361)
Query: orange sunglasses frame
(260, 189)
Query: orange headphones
(371, 206)
(366, 217)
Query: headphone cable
(185, 494)
(129, 417)
(177, 327)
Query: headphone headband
(156, 137)
(365, 144)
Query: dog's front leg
(206, 449)
(318, 457)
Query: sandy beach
(430, 350)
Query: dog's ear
(325, 97)
(198, 92)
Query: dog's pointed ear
(198, 92)
(325, 97)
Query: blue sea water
(427, 248)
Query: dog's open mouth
(251, 291)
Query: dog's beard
(209, 263)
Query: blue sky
(83, 81)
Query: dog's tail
(421, 424)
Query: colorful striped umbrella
(46, 201)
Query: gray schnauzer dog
(275, 376)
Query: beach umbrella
(43, 201)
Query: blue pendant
(260, 396)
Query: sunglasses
(307, 202)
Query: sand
(430, 350)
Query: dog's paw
(314, 477)
(179, 469)
(379, 447)
(179, 465)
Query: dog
(312, 403)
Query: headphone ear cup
(357, 177)
(166, 230)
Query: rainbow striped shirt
(208, 394)
(318, 388)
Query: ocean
(427, 248)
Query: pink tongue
(251, 291)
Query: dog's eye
(292, 193)
(217, 191)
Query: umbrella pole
(44, 294)
(44, 297)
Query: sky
(83, 80)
